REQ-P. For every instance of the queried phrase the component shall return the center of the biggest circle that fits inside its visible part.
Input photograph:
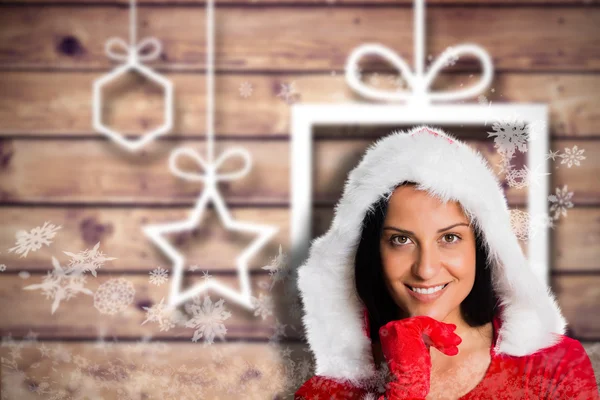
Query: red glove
(407, 353)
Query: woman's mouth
(427, 295)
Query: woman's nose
(428, 263)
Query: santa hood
(451, 170)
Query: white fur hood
(450, 170)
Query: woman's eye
(452, 235)
(401, 242)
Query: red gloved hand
(406, 351)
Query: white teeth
(427, 291)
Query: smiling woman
(423, 270)
(420, 289)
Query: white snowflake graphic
(523, 177)
(2, 267)
(552, 155)
(245, 89)
(572, 156)
(561, 200)
(278, 268)
(397, 81)
(206, 276)
(34, 239)
(288, 92)
(374, 79)
(207, 319)
(278, 331)
(263, 305)
(61, 284)
(88, 260)
(525, 226)
(519, 221)
(452, 59)
(511, 135)
(167, 317)
(193, 268)
(158, 276)
(114, 296)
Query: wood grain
(36, 171)
(578, 297)
(153, 370)
(209, 247)
(312, 3)
(25, 310)
(59, 104)
(278, 38)
(78, 318)
(119, 230)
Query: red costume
(563, 371)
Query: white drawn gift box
(417, 109)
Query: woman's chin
(432, 313)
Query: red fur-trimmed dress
(562, 371)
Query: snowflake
(561, 200)
(206, 276)
(61, 284)
(207, 319)
(113, 296)
(521, 178)
(519, 221)
(510, 135)
(159, 276)
(246, 89)
(288, 92)
(166, 316)
(396, 81)
(278, 268)
(374, 79)
(88, 260)
(278, 331)
(526, 226)
(263, 306)
(481, 99)
(31, 336)
(2, 267)
(193, 268)
(44, 350)
(305, 368)
(452, 58)
(33, 240)
(80, 361)
(552, 155)
(572, 156)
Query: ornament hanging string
(211, 175)
(118, 50)
(132, 56)
(419, 81)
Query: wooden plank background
(54, 166)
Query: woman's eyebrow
(412, 233)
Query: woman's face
(427, 243)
